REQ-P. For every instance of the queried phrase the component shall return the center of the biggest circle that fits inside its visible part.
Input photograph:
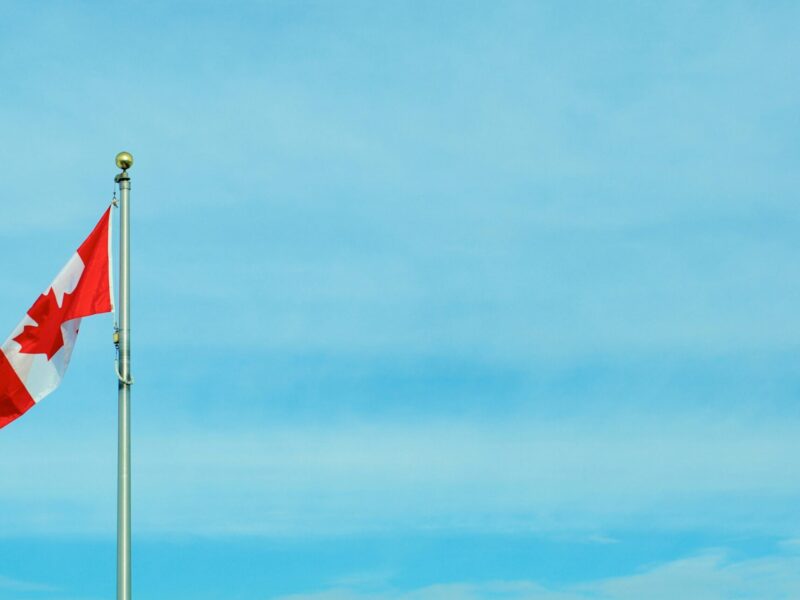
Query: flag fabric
(35, 357)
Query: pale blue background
(433, 300)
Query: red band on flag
(14, 397)
(93, 295)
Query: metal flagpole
(124, 161)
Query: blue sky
(433, 300)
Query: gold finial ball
(124, 160)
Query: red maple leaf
(44, 337)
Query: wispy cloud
(503, 475)
(17, 585)
(708, 576)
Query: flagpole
(124, 161)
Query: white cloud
(709, 576)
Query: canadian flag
(35, 357)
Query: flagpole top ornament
(124, 160)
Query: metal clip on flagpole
(129, 380)
(123, 368)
